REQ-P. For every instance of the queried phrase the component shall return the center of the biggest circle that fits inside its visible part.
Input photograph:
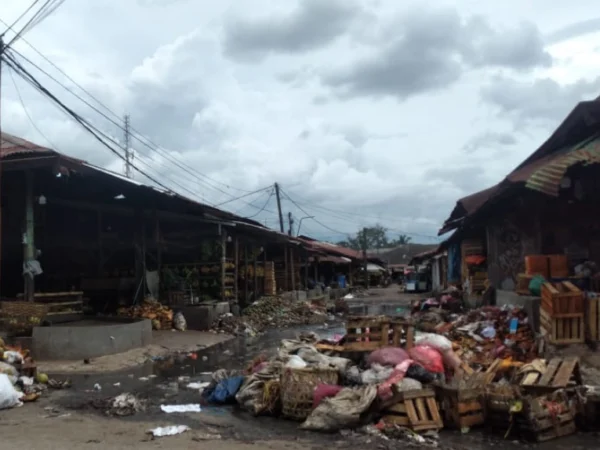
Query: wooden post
(223, 260)
(236, 273)
(264, 282)
(255, 277)
(293, 270)
(316, 269)
(138, 255)
(245, 274)
(99, 237)
(29, 241)
(285, 269)
(306, 269)
(157, 239)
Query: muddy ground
(69, 419)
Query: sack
(9, 396)
(384, 390)
(439, 342)
(323, 391)
(428, 357)
(179, 322)
(7, 369)
(225, 390)
(408, 384)
(389, 356)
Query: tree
(373, 237)
(402, 240)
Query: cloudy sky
(362, 110)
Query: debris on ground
(168, 431)
(180, 408)
(125, 405)
(271, 312)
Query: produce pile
(160, 315)
(270, 312)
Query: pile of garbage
(271, 312)
(161, 316)
(19, 380)
(482, 335)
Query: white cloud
(243, 102)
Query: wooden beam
(236, 273)
(245, 274)
(255, 276)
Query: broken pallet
(561, 373)
(416, 410)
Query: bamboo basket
(298, 387)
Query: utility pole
(1, 143)
(291, 222)
(365, 262)
(279, 207)
(127, 147)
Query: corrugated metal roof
(547, 178)
(331, 248)
(12, 145)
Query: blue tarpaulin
(224, 391)
(454, 263)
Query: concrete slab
(201, 317)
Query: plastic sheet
(389, 356)
(428, 357)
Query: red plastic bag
(428, 357)
(384, 390)
(325, 391)
(389, 356)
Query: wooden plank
(472, 420)
(421, 409)
(434, 410)
(410, 337)
(411, 412)
(466, 407)
(530, 379)
(550, 371)
(564, 373)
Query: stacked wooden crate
(562, 313)
(270, 283)
(416, 410)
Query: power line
(264, 206)
(45, 11)
(10, 27)
(243, 196)
(146, 141)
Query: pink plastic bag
(325, 391)
(389, 356)
(384, 390)
(428, 357)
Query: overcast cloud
(363, 110)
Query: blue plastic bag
(225, 390)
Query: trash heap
(271, 312)
(19, 380)
(386, 377)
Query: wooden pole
(223, 261)
(255, 277)
(245, 274)
(236, 273)
(29, 247)
(293, 270)
(264, 282)
(285, 270)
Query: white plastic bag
(9, 396)
(179, 322)
(295, 362)
(437, 341)
(7, 369)
(13, 357)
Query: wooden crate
(416, 410)
(562, 330)
(537, 265)
(365, 333)
(559, 266)
(462, 407)
(403, 332)
(562, 299)
(593, 318)
(522, 287)
(545, 418)
(588, 407)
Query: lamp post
(300, 223)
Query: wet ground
(161, 382)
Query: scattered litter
(97, 387)
(143, 378)
(169, 431)
(9, 396)
(125, 405)
(206, 437)
(180, 408)
(198, 386)
(117, 384)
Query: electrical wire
(146, 141)
(10, 27)
(265, 205)
(27, 112)
(243, 196)
(44, 12)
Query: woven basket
(298, 387)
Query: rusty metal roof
(12, 145)
(331, 249)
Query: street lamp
(300, 223)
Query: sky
(364, 111)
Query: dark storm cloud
(542, 101)
(311, 25)
(490, 140)
(573, 30)
(430, 50)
